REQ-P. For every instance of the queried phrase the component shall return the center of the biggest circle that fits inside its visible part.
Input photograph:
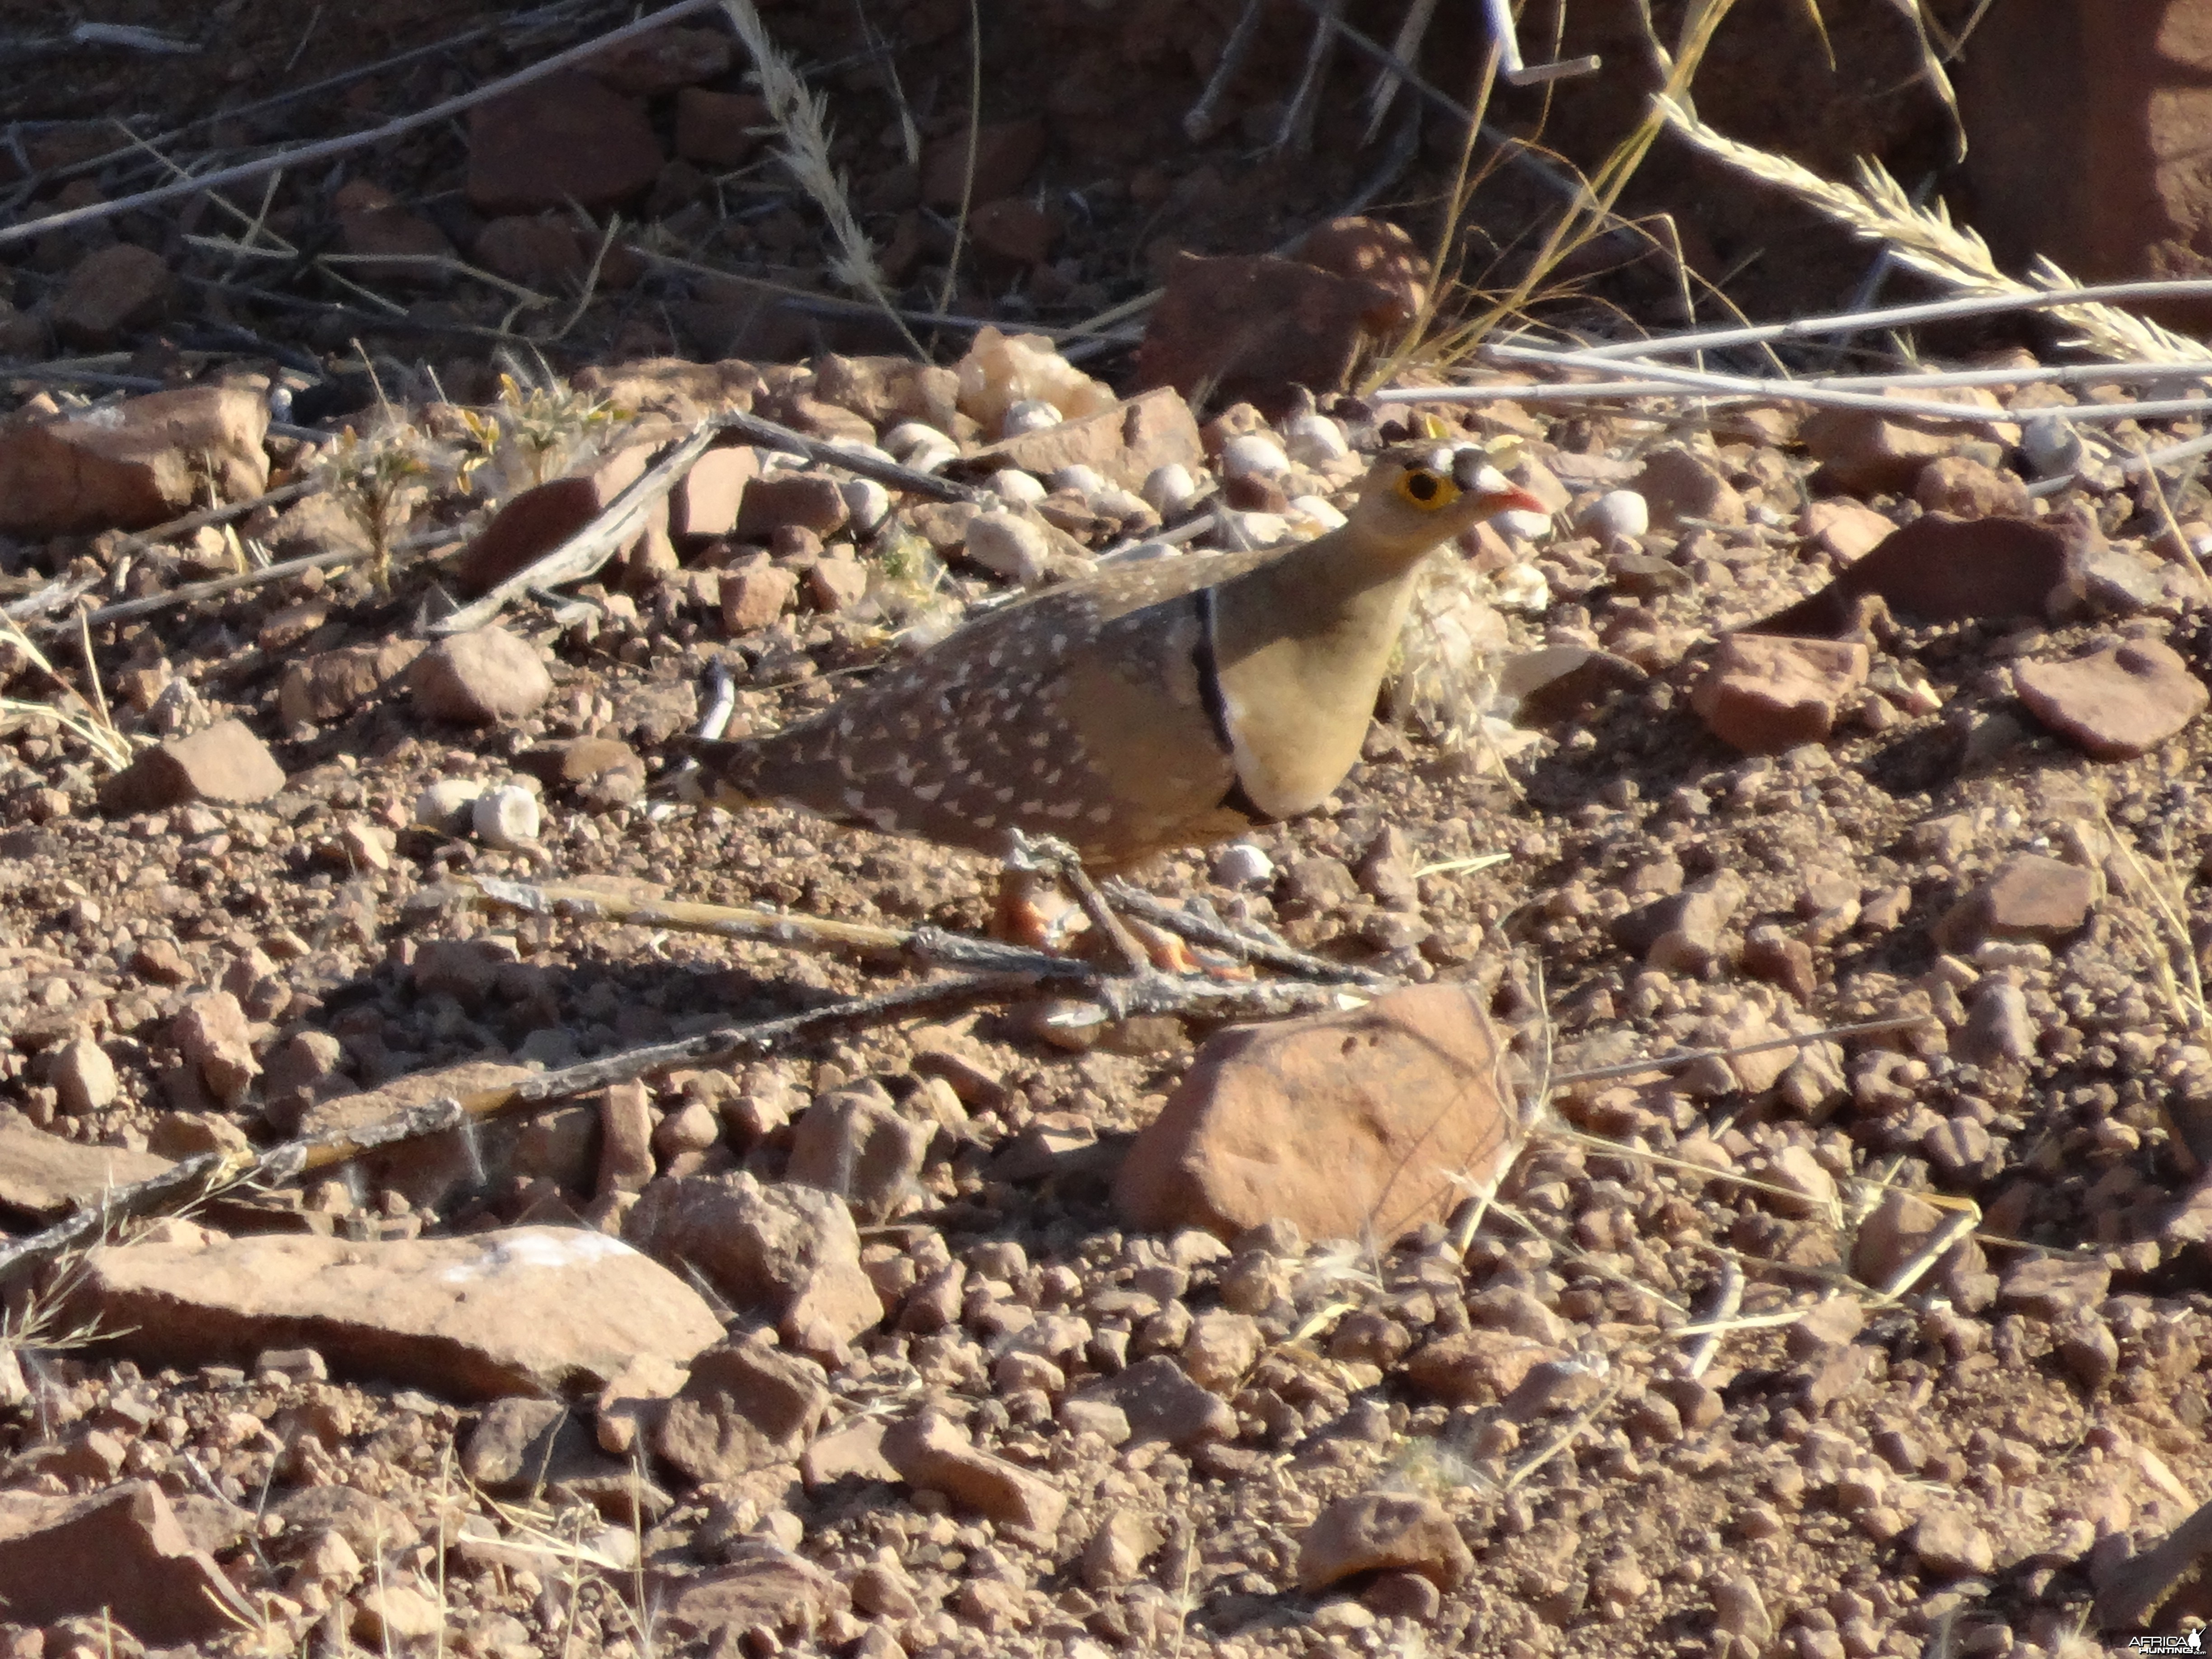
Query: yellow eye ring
(1427, 490)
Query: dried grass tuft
(802, 116)
(1925, 239)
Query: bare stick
(308, 155)
(196, 1179)
(889, 474)
(208, 515)
(1689, 380)
(1245, 947)
(924, 946)
(1931, 311)
(595, 543)
(125, 610)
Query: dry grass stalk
(1926, 240)
(88, 719)
(802, 117)
(1590, 214)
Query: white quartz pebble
(444, 804)
(867, 504)
(1030, 415)
(1241, 864)
(505, 817)
(1253, 455)
(1008, 545)
(1078, 477)
(1011, 484)
(1617, 513)
(1168, 490)
(1314, 440)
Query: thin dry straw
(1925, 239)
(1691, 381)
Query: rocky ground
(1447, 1322)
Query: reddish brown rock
(112, 291)
(1345, 1125)
(566, 136)
(718, 129)
(1678, 483)
(332, 684)
(1939, 568)
(1006, 153)
(1475, 1368)
(1015, 229)
(131, 465)
(708, 499)
(1253, 326)
(479, 678)
(1159, 1400)
(1865, 452)
(522, 1310)
(214, 1038)
(716, 1610)
(930, 1450)
(662, 60)
(538, 252)
(2086, 140)
(2116, 704)
(1763, 694)
(225, 763)
(390, 244)
(1375, 252)
(1125, 443)
(747, 1405)
(1968, 488)
(533, 522)
(809, 499)
(1845, 530)
(2028, 897)
(1383, 1532)
(43, 1174)
(885, 391)
(120, 1554)
(754, 594)
(789, 1253)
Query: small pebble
(1253, 529)
(1030, 415)
(1112, 501)
(1314, 440)
(1521, 587)
(1012, 484)
(1617, 513)
(1084, 480)
(922, 447)
(867, 504)
(1008, 546)
(505, 817)
(2050, 447)
(444, 805)
(1253, 455)
(1241, 864)
(1169, 489)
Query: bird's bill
(1512, 498)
